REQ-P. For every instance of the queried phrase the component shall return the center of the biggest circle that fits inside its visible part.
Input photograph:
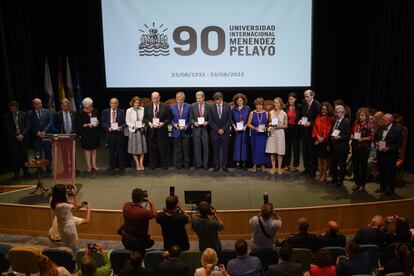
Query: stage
(237, 195)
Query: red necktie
(200, 110)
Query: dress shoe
(224, 169)
(304, 172)
(178, 168)
(165, 168)
(122, 171)
(196, 168)
(206, 168)
(295, 169)
(238, 166)
(332, 182)
(216, 168)
(186, 168)
(339, 184)
(380, 190)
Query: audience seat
(95, 255)
(62, 256)
(24, 259)
(118, 259)
(335, 251)
(192, 259)
(303, 256)
(226, 255)
(373, 251)
(267, 257)
(4, 263)
(152, 258)
(395, 274)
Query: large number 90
(192, 40)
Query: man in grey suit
(220, 122)
(199, 121)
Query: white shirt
(131, 117)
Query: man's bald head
(388, 118)
(155, 97)
(376, 221)
(332, 227)
(37, 103)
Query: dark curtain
(362, 52)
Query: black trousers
(201, 149)
(182, 151)
(308, 148)
(116, 150)
(360, 165)
(387, 172)
(220, 150)
(338, 164)
(158, 148)
(18, 156)
(292, 137)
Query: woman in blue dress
(239, 115)
(257, 122)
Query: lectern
(63, 158)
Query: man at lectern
(113, 122)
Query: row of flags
(72, 90)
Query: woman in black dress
(89, 133)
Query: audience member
(257, 121)
(373, 234)
(320, 133)
(402, 262)
(16, 128)
(199, 119)
(330, 236)
(134, 231)
(88, 265)
(206, 228)
(209, 261)
(239, 115)
(63, 212)
(275, 144)
(244, 264)
(172, 266)
(89, 133)
(181, 131)
(292, 133)
(362, 135)
(48, 268)
(302, 238)
(339, 146)
(285, 267)
(323, 264)
(137, 143)
(400, 232)
(388, 141)
(264, 227)
(310, 108)
(133, 266)
(354, 263)
(173, 221)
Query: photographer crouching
(134, 231)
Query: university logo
(154, 42)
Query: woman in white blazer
(137, 145)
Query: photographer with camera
(88, 266)
(207, 228)
(134, 231)
(264, 227)
(172, 221)
(65, 222)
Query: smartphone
(265, 197)
(172, 190)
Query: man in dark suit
(388, 141)
(330, 236)
(354, 263)
(302, 238)
(66, 123)
(339, 146)
(310, 108)
(199, 120)
(220, 122)
(157, 118)
(113, 122)
(286, 267)
(373, 234)
(172, 266)
(181, 131)
(41, 123)
(16, 127)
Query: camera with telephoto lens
(92, 247)
(145, 196)
(265, 197)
